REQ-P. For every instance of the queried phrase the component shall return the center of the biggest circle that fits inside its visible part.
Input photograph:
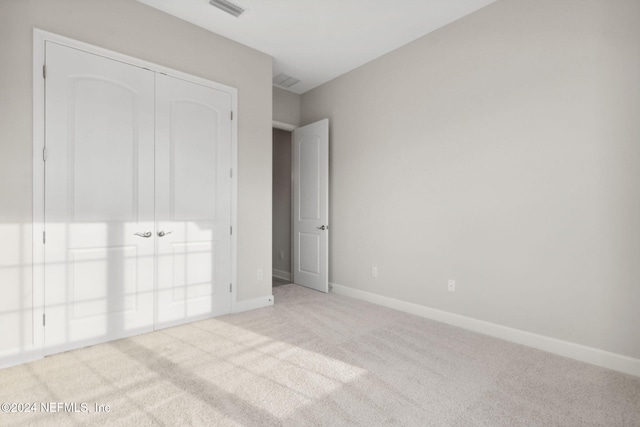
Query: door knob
(161, 233)
(146, 234)
(322, 227)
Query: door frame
(289, 128)
(283, 126)
(40, 37)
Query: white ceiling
(318, 40)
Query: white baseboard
(284, 275)
(252, 304)
(594, 356)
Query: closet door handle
(161, 233)
(146, 234)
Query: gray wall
(131, 28)
(500, 151)
(286, 106)
(281, 246)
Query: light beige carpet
(320, 360)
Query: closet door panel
(193, 161)
(193, 211)
(98, 193)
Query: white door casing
(310, 170)
(99, 193)
(103, 243)
(193, 204)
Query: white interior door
(310, 163)
(99, 199)
(193, 208)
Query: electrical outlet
(260, 274)
(452, 285)
(374, 271)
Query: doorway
(281, 226)
(301, 195)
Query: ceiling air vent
(228, 7)
(285, 81)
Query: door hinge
(44, 71)
(232, 115)
(44, 321)
(44, 154)
(44, 237)
(231, 230)
(230, 287)
(231, 173)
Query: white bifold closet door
(137, 200)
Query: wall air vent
(285, 81)
(227, 6)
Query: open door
(310, 159)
